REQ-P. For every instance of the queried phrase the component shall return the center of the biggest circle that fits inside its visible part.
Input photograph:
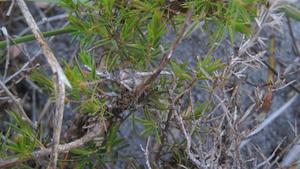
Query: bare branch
(142, 87)
(56, 68)
(146, 152)
(269, 120)
(60, 78)
(191, 155)
(64, 148)
(19, 106)
(60, 88)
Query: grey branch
(60, 77)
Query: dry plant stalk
(19, 106)
(60, 78)
(63, 148)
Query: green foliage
(292, 11)
(151, 127)
(114, 141)
(121, 27)
(181, 71)
(229, 16)
(24, 139)
(93, 156)
(83, 156)
(79, 81)
(93, 106)
(3, 143)
(206, 66)
(42, 80)
(201, 108)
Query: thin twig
(20, 70)
(19, 106)
(49, 19)
(60, 78)
(10, 8)
(146, 152)
(291, 32)
(269, 120)
(56, 68)
(293, 154)
(277, 74)
(64, 148)
(44, 110)
(191, 155)
(31, 37)
(59, 110)
(5, 33)
(142, 87)
(167, 122)
(267, 161)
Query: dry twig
(142, 87)
(191, 155)
(146, 152)
(64, 148)
(19, 106)
(61, 79)
(269, 120)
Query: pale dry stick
(44, 110)
(260, 153)
(278, 75)
(20, 70)
(58, 118)
(191, 155)
(247, 113)
(292, 151)
(43, 16)
(33, 104)
(19, 106)
(282, 152)
(64, 148)
(217, 153)
(5, 33)
(226, 111)
(267, 161)
(261, 23)
(284, 86)
(55, 67)
(10, 7)
(49, 19)
(60, 77)
(268, 120)
(146, 152)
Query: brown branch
(142, 87)
(167, 122)
(64, 148)
(61, 79)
